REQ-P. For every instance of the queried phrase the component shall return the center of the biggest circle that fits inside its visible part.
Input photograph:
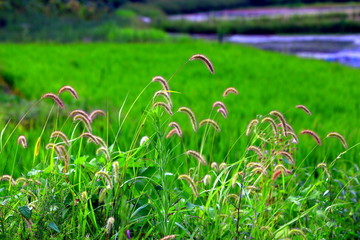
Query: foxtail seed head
(230, 90)
(168, 237)
(61, 135)
(106, 176)
(205, 60)
(287, 155)
(197, 155)
(95, 113)
(69, 89)
(223, 166)
(191, 183)
(215, 166)
(313, 134)
(8, 178)
(164, 105)
(191, 116)
(165, 95)
(305, 109)
(109, 224)
(22, 141)
(339, 137)
(55, 98)
(272, 124)
(256, 150)
(176, 126)
(207, 179)
(223, 112)
(211, 123)
(173, 132)
(250, 126)
(163, 83)
(85, 121)
(282, 120)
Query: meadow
(239, 182)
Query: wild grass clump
(84, 186)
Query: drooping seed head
(90, 136)
(339, 137)
(294, 136)
(116, 171)
(211, 123)
(223, 112)
(282, 120)
(105, 151)
(102, 194)
(256, 150)
(8, 178)
(22, 141)
(109, 224)
(215, 166)
(165, 95)
(219, 104)
(163, 83)
(191, 183)
(296, 231)
(164, 105)
(234, 180)
(85, 121)
(205, 60)
(69, 89)
(272, 124)
(80, 112)
(144, 140)
(106, 177)
(173, 132)
(305, 109)
(287, 155)
(191, 116)
(313, 134)
(282, 168)
(95, 113)
(250, 126)
(230, 90)
(197, 156)
(223, 166)
(61, 135)
(168, 237)
(55, 98)
(176, 126)
(207, 179)
(276, 174)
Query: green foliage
(106, 75)
(88, 185)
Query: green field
(263, 185)
(106, 74)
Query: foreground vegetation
(174, 179)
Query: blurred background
(265, 24)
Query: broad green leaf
(25, 211)
(54, 227)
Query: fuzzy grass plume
(191, 183)
(55, 98)
(339, 137)
(305, 109)
(69, 89)
(205, 60)
(197, 156)
(313, 134)
(230, 90)
(211, 123)
(191, 116)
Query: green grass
(113, 187)
(107, 76)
